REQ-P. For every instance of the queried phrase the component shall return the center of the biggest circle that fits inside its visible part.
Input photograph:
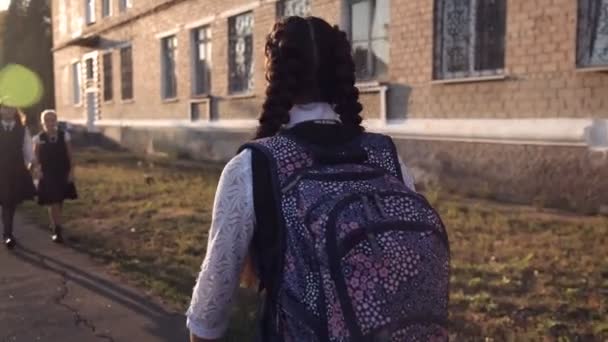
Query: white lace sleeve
(28, 149)
(229, 238)
(408, 179)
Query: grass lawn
(518, 273)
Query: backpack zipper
(371, 237)
(338, 177)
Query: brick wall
(143, 36)
(542, 80)
(63, 84)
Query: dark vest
(53, 154)
(11, 152)
(15, 181)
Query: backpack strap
(382, 153)
(284, 157)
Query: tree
(3, 15)
(27, 40)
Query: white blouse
(231, 233)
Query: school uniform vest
(54, 186)
(15, 181)
(53, 154)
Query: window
(90, 72)
(123, 5)
(126, 73)
(201, 60)
(469, 38)
(106, 8)
(369, 20)
(592, 33)
(66, 85)
(76, 83)
(240, 53)
(89, 11)
(168, 76)
(108, 94)
(288, 8)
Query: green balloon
(19, 86)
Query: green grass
(518, 273)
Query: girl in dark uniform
(53, 151)
(16, 158)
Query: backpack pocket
(390, 274)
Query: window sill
(76, 105)
(592, 69)
(200, 96)
(367, 84)
(109, 102)
(171, 100)
(474, 79)
(128, 101)
(240, 96)
(371, 87)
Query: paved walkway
(53, 293)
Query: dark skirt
(54, 189)
(16, 187)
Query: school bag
(362, 257)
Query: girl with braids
(264, 225)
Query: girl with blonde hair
(54, 153)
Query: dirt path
(53, 293)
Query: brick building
(508, 98)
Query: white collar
(311, 112)
(9, 125)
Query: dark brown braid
(300, 68)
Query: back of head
(308, 60)
(15, 114)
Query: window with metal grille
(89, 69)
(289, 8)
(168, 72)
(108, 93)
(106, 8)
(126, 73)
(201, 60)
(469, 38)
(76, 83)
(240, 53)
(89, 8)
(369, 21)
(592, 47)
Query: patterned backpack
(364, 257)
